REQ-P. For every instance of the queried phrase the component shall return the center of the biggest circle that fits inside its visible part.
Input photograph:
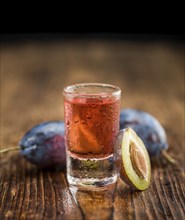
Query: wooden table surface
(33, 75)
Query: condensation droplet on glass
(97, 124)
(89, 116)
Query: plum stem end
(168, 157)
(9, 149)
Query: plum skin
(148, 129)
(44, 145)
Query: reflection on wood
(95, 204)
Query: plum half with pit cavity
(132, 159)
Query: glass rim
(70, 91)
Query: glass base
(90, 172)
(91, 182)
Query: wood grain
(33, 75)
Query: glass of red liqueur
(91, 112)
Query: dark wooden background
(34, 71)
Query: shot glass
(91, 112)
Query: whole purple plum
(147, 128)
(43, 145)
